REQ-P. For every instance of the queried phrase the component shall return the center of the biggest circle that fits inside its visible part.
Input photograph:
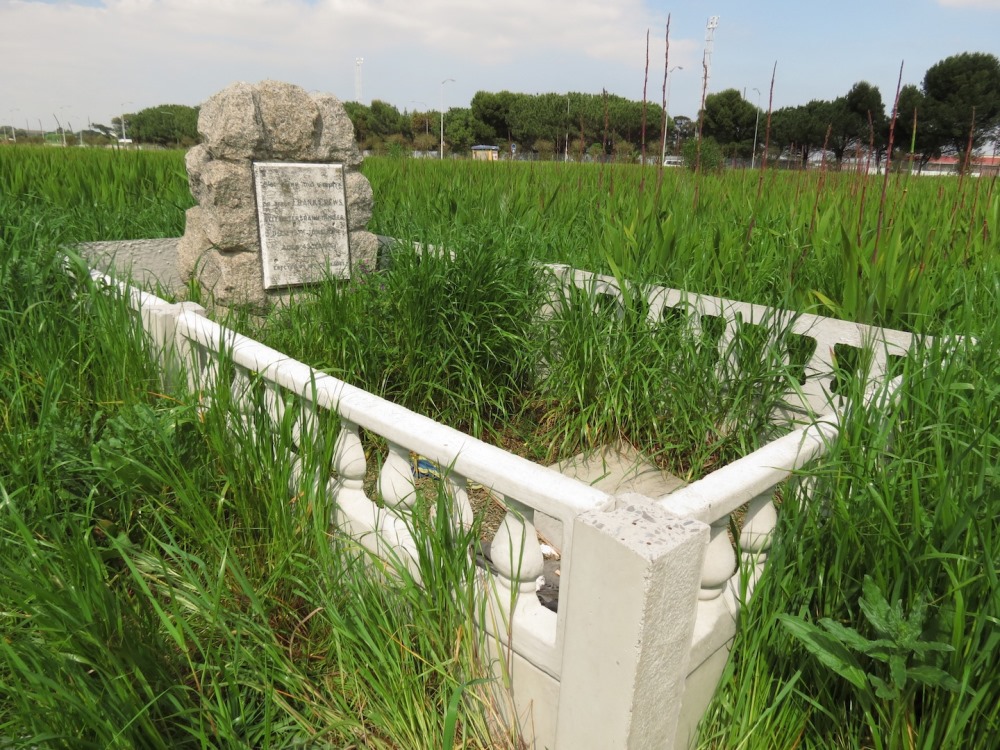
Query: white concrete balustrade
(650, 587)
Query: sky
(88, 60)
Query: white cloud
(93, 55)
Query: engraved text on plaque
(302, 214)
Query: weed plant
(155, 593)
(448, 337)
(876, 622)
(675, 391)
(96, 194)
(807, 241)
(160, 586)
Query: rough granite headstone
(277, 183)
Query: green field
(159, 591)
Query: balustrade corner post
(160, 323)
(635, 579)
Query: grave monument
(281, 203)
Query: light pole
(756, 122)
(446, 80)
(122, 108)
(566, 153)
(666, 114)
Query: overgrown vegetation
(159, 590)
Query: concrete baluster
(395, 485)
(350, 465)
(758, 527)
(395, 481)
(353, 509)
(203, 369)
(694, 323)
(461, 507)
(306, 430)
(274, 403)
(518, 560)
(720, 561)
(241, 389)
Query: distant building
(978, 165)
(485, 153)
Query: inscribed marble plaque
(302, 215)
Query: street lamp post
(666, 114)
(446, 80)
(756, 122)
(122, 108)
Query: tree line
(955, 110)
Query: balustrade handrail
(511, 475)
(815, 394)
(846, 332)
(515, 616)
(729, 487)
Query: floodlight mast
(713, 24)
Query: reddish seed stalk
(972, 219)
(701, 125)
(964, 170)
(665, 123)
(821, 181)
(611, 176)
(888, 160)
(968, 147)
(701, 111)
(645, 83)
(767, 133)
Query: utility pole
(566, 154)
(446, 80)
(358, 62)
(122, 107)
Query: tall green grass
(876, 622)
(161, 588)
(148, 571)
(97, 194)
(808, 241)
